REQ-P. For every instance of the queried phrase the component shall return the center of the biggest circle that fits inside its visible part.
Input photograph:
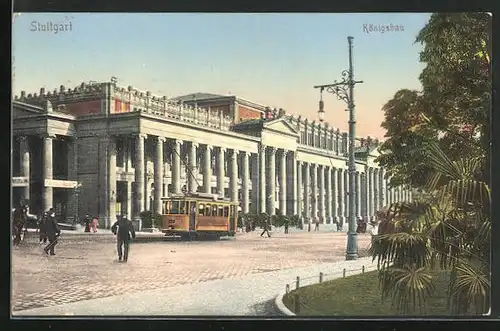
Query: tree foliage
(438, 140)
(451, 230)
(453, 107)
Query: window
(175, 207)
(214, 210)
(226, 211)
(201, 209)
(220, 211)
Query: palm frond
(469, 288)
(408, 287)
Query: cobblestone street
(86, 267)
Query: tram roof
(197, 196)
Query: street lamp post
(344, 90)
(77, 188)
(151, 205)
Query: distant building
(102, 149)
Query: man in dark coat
(123, 229)
(42, 228)
(87, 221)
(52, 231)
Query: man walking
(52, 232)
(123, 233)
(266, 227)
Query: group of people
(48, 229)
(91, 223)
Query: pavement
(238, 276)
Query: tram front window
(175, 207)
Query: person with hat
(52, 232)
(124, 230)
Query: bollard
(343, 273)
(296, 304)
(363, 269)
(321, 277)
(297, 283)
(287, 288)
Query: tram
(197, 215)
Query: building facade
(101, 149)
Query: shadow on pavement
(266, 308)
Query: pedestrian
(316, 225)
(286, 224)
(87, 221)
(95, 224)
(42, 226)
(309, 226)
(52, 231)
(266, 229)
(123, 229)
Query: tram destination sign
(60, 183)
(20, 181)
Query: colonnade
(271, 181)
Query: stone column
(282, 183)
(365, 197)
(158, 169)
(176, 166)
(48, 169)
(358, 194)
(255, 168)
(329, 201)
(321, 195)
(347, 194)
(334, 176)
(390, 195)
(112, 182)
(207, 169)
(307, 192)
(25, 164)
(382, 189)
(370, 194)
(262, 179)
(295, 189)
(233, 176)
(300, 196)
(271, 181)
(340, 189)
(245, 174)
(376, 192)
(129, 199)
(191, 171)
(221, 175)
(314, 189)
(72, 159)
(139, 177)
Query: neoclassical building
(102, 149)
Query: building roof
(250, 124)
(198, 96)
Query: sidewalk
(240, 296)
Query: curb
(282, 308)
(278, 302)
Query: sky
(270, 59)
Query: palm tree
(449, 228)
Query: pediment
(22, 110)
(281, 125)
